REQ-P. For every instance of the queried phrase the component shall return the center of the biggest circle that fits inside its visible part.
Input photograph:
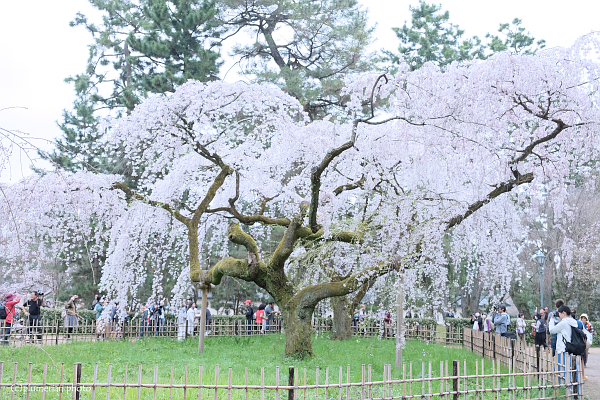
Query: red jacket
(259, 316)
(10, 309)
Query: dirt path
(591, 387)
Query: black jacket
(249, 312)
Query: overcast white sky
(38, 49)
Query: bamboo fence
(487, 380)
(53, 331)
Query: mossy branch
(238, 236)
(310, 296)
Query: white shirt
(191, 315)
(563, 330)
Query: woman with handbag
(71, 318)
(539, 330)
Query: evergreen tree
(142, 47)
(431, 37)
(305, 47)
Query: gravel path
(591, 387)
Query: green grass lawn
(238, 353)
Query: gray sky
(38, 49)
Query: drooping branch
(131, 193)
(502, 188)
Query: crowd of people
(262, 320)
(551, 328)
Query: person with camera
(71, 317)
(156, 312)
(35, 319)
(500, 319)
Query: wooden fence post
(291, 383)
(76, 380)
(471, 340)
(576, 378)
(455, 379)
(537, 357)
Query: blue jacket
(501, 323)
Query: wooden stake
(399, 320)
(203, 320)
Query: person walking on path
(71, 319)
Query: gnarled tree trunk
(298, 331)
(342, 318)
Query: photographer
(500, 319)
(35, 319)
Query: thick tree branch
(502, 188)
(238, 236)
(287, 243)
(350, 186)
(310, 296)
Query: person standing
(181, 320)
(35, 319)
(268, 313)
(387, 324)
(500, 320)
(586, 324)
(554, 319)
(540, 330)
(96, 301)
(521, 326)
(562, 330)
(162, 316)
(11, 301)
(71, 319)
(207, 328)
(144, 320)
(260, 317)
(249, 316)
(191, 318)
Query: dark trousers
(249, 326)
(7, 326)
(143, 329)
(34, 325)
(540, 339)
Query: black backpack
(3, 312)
(577, 344)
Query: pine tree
(431, 37)
(141, 48)
(305, 47)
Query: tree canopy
(431, 37)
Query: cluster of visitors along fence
(512, 375)
(53, 331)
